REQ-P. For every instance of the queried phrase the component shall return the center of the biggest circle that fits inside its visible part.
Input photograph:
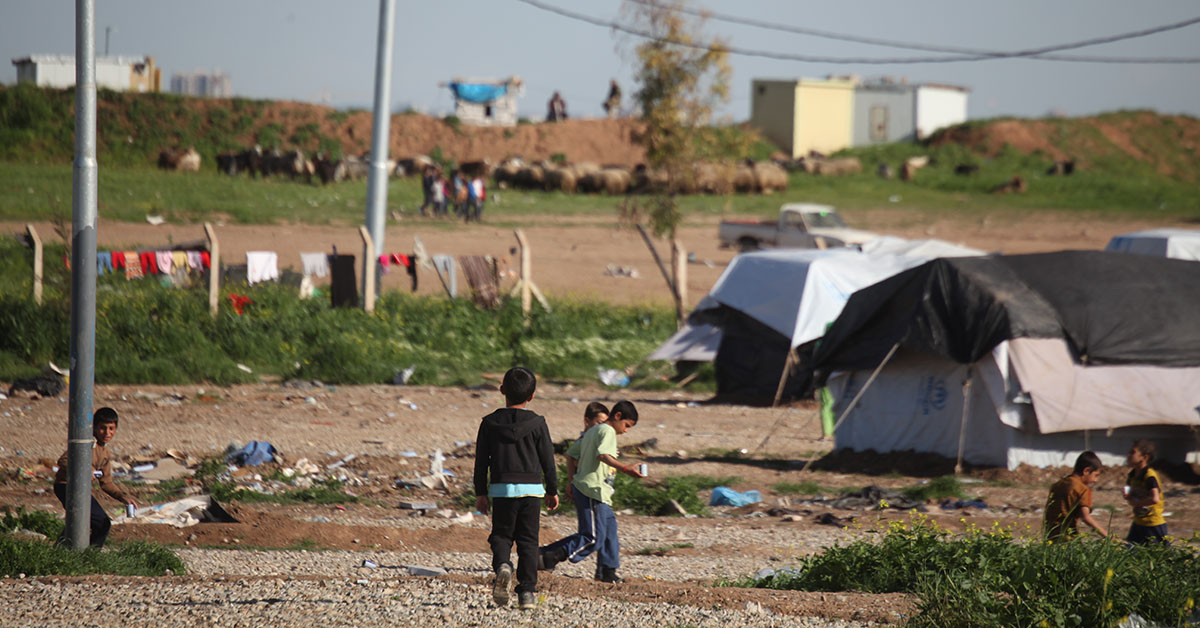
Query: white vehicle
(800, 225)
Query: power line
(1039, 53)
(891, 43)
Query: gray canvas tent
(1016, 359)
(768, 303)
(1176, 243)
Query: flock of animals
(763, 177)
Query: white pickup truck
(800, 225)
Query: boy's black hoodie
(514, 447)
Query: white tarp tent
(917, 403)
(797, 292)
(1176, 243)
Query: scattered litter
(372, 442)
(444, 513)
(181, 513)
(245, 368)
(725, 496)
(613, 270)
(417, 505)
(403, 376)
(164, 469)
(466, 517)
(362, 581)
(253, 454)
(956, 504)
(155, 220)
(370, 564)
(418, 570)
(613, 377)
(339, 507)
(141, 468)
(830, 519)
(407, 454)
(895, 198)
(310, 400)
(755, 608)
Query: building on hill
(802, 115)
(827, 115)
(486, 102)
(124, 74)
(889, 111)
(204, 84)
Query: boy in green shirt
(591, 469)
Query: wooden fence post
(37, 262)
(526, 272)
(369, 262)
(214, 268)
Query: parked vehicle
(800, 225)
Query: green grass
(148, 334)
(40, 557)
(937, 488)
(652, 498)
(986, 578)
(167, 490)
(808, 487)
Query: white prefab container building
(125, 74)
(887, 111)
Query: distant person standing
(428, 177)
(476, 195)
(438, 195)
(556, 110)
(612, 104)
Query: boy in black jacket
(514, 467)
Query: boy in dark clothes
(514, 467)
(104, 429)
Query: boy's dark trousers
(100, 521)
(516, 519)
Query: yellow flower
(1044, 624)
(1108, 575)
(1108, 605)
(1189, 604)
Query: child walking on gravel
(515, 471)
(591, 468)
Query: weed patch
(986, 578)
(34, 557)
(807, 487)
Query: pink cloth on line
(165, 261)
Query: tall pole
(83, 280)
(377, 178)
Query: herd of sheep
(762, 177)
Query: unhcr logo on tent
(933, 395)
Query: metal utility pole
(377, 178)
(83, 280)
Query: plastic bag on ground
(725, 496)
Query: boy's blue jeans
(597, 533)
(100, 523)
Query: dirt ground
(385, 426)
(392, 431)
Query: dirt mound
(1169, 144)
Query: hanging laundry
(343, 289)
(315, 264)
(204, 259)
(412, 270)
(239, 302)
(444, 265)
(103, 262)
(118, 259)
(133, 266)
(385, 262)
(261, 266)
(165, 261)
(193, 260)
(179, 261)
(401, 259)
(149, 262)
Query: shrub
(986, 578)
(34, 557)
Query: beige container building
(802, 115)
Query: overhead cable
(1037, 53)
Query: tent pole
(787, 366)
(962, 425)
(858, 396)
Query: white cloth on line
(315, 264)
(261, 266)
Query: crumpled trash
(253, 454)
(725, 496)
(403, 376)
(613, 377)
(874, 497)
(955, 504)
(180, 513)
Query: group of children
(1070, 499)
(458, 193)
(515, 473)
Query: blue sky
(324, 52)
